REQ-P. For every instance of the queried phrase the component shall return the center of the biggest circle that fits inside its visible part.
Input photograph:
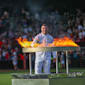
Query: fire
(63, 42)
(25, 43)
(58, 42)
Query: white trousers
(45, 65)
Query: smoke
(35, 5)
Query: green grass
(5, 77)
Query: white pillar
(56, 62)
(30, 64)
(67, 67)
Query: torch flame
(24, 42)
(58, 42)
(64, 42)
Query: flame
(63, 42)
(58, 42)
(25, 43)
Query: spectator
(14, 60)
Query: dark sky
(46, 3)
(68, 3)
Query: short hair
(44, 25)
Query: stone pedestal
(44, 80)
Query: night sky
(45, 3)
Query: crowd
(24, 24)
(76, 25)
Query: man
(43, 59)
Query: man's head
(44, 29)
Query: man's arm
(36, 40)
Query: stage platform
(53, 79)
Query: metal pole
(30, 64)
(67, 69)
(56, 62)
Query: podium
(33, 79)
(45, 49)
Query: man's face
(44, 29)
